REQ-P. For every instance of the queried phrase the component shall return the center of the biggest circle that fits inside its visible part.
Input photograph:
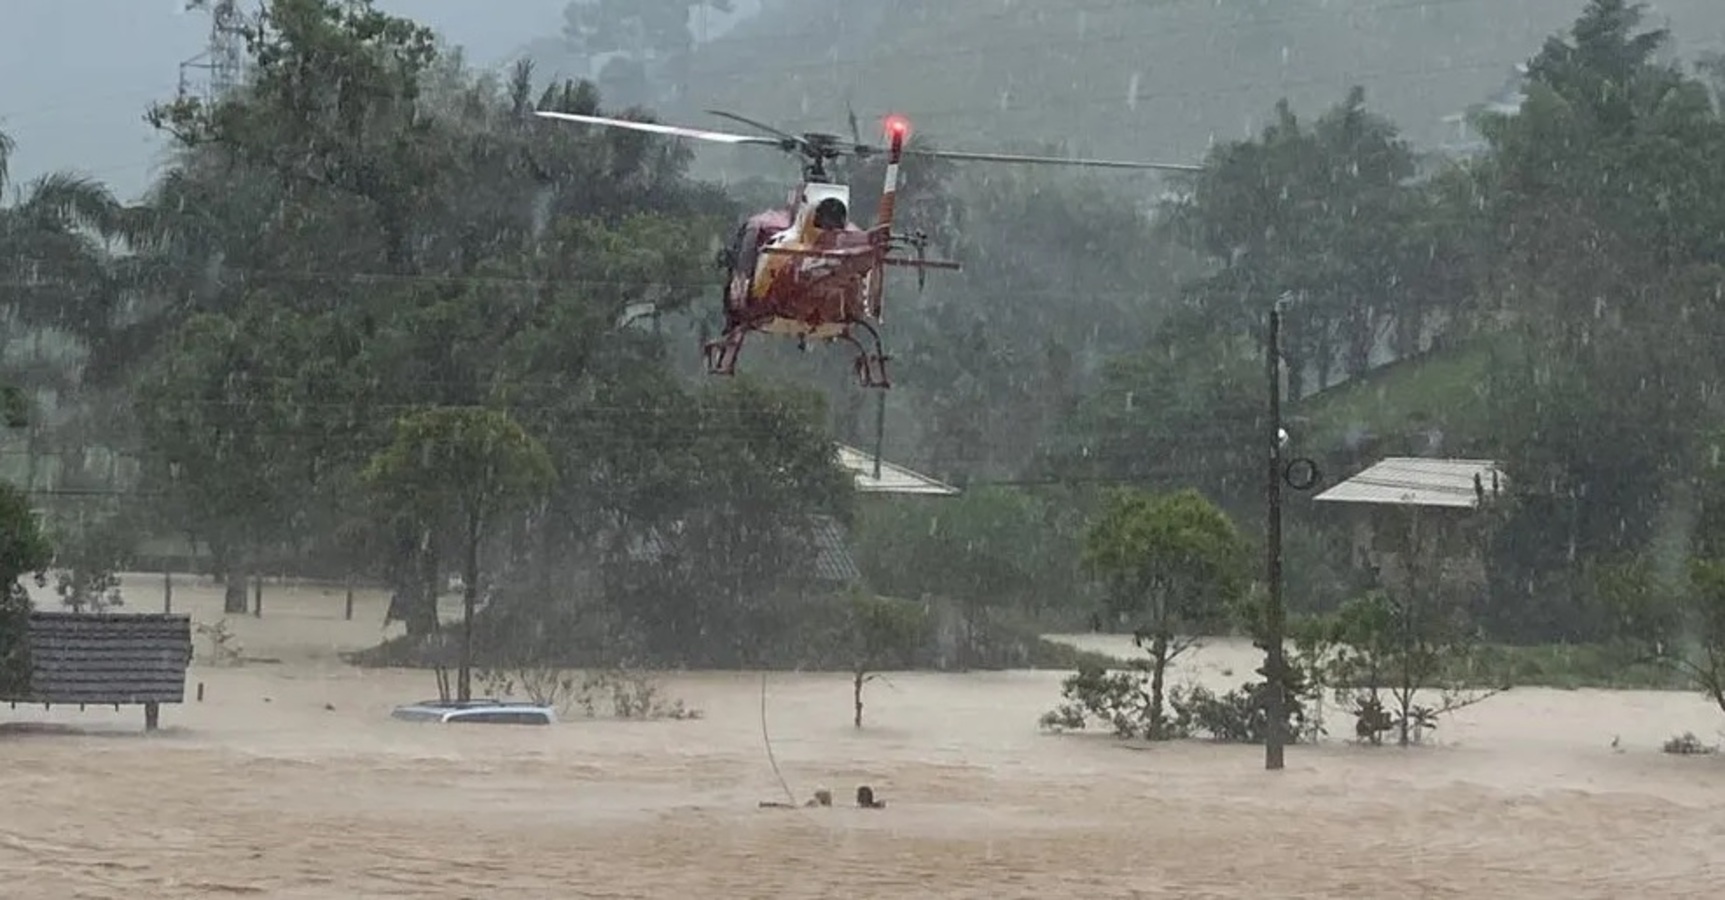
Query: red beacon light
(897, 126)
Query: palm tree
(56, 298)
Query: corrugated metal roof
(1413, 481)
(894, 479)
(108, 658)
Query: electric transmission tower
(223, 60)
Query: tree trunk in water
(856, 696)
(220, 567)
(1413, 596)
(1158, 673)
(234, 589)
(469, 600)
(967, 644)
(421, 612)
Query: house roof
(894, 479)
(832, 560)
(107, 658)
(1413, 481)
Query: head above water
(865, 798)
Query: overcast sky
(76, 75)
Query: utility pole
(879, 430)
(1275, 680)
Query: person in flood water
(822, 797)
(866, 800)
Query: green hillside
(1145, 78)
(1442, 389)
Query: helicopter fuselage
(783, 293)
(805, 270)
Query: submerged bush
(1122, 700)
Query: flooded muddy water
(291, 780)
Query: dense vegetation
(377, 322)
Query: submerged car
(486, 711)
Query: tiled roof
(832, 562)
(107, 658)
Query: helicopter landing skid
(721, 355)
(870, 367)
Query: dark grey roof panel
(832, 562)
(107, 658)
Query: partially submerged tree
(1681, 625)
(990, 548)
(1173, 565)
(1410, 637)
(92, 553)
(1704, 614)
(1398, 648)
(223, 425)
(457, 470)
(24, 550)
(884, 632)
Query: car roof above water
(479, 711)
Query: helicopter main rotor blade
(1051, 160)
(722, 137)
(785, 135)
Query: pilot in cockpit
(830, 214)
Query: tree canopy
(366, 230)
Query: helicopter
(806, 270)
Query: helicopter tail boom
(896, 128)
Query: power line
(1145, 478)
(668, 433)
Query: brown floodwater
(291, 780)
